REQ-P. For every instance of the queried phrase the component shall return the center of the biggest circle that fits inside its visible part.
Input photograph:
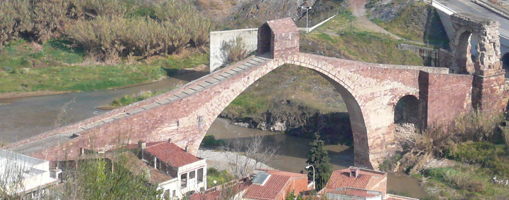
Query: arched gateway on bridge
(370, 91)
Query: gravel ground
(220, 160)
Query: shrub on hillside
(107, 29)
(14, 19)
(493, 157)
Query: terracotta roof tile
(171, 154)
(354, 192)
(220, 194)
(130, 161)
(280, 26)
(138, 167)
(342, 179)
(269, 190)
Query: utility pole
(307, 15)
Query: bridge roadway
(468, 7)
(55, 137)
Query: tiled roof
(138, 167)
(130, 161)
(171, 154)
(356, 192)
(215, 194)
(280, 26)
(273, 187)
(342, 179)
(269, 190)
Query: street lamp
(314, 180)
(307, 16)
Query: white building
(188, 171)
(21, 174)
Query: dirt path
(359, 11)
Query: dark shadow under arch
(407, 111)
(505, 64)
(464, 58)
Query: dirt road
(359, 11)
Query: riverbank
(292, 152)
(221, 160)
(30, 69)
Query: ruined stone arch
(486, 32)
(464, 43)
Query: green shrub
(459, 179)
(96, 179)
(234, 50)
(210, 141)
(219, 176)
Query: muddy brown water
(293, 151)
(21, 118)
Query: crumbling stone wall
(487, 59)
(488, 86)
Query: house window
(183, 181)
(200, 175)
(166, 194)
(174, 193)
(192, 175)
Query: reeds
(107, 29)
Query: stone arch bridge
(371, 92)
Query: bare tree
(246, 155)
(63, 116)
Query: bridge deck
(466, 6)
(56, 137)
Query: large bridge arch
(342, 85)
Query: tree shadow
(184, 74)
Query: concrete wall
(445, 16)
(217, 38)
(249, 36)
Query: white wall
(217, 58)
(187, 169)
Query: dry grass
(437, 140)
(107, 29)
(234, 50)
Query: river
(21, 118)
(293, 151)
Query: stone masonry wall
(448, 95)
(372, 91)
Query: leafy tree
(319, 158)
(95, 179)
